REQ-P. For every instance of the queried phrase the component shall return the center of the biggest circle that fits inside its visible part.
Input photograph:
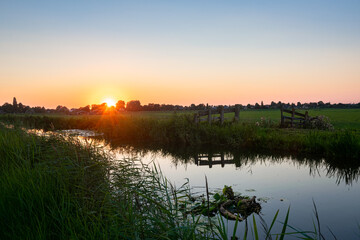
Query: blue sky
(249, 50)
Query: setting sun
(110, 102)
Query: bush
(320, 122)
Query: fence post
(210, 160)
(292, 116)
(209, 116)
(221, 114)
(222, 159)
(237, 112)
(306, 118)
(282, 115)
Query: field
(340, 118)
(168, 129)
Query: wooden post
(282, 115)
(221, 115)
(292, 116)
(209, 116)
(210, 160)
(306, 119)
(222, 160)
(237, 113)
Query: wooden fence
(213, 159)
(296, 118)
(208, 115)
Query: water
(278, 182)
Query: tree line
(135, 105)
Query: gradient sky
(76, 53)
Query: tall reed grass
(58, 188)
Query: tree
(85, 109)
(98, 108)
(120, 105)
(14, 103)
(62, 109)
(133, 105)
(8, 108)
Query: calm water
(278, 182)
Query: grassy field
(340, 118)
(180, 130)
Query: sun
(110, 102)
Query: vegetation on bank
(180, 130)
(56, 188)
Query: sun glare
(110, 102)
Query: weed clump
(320, 122)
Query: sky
(76, 53)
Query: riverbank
(180, 130)
(57, 188)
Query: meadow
(257, 130)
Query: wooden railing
(213, 159)
(296, 118)
(209, 114)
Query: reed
(180, 130)
(55, 187)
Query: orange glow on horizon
(110, 102)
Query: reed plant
(55, 187)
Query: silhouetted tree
(62, 109)
(85, 109)
(120, 105)
(7, 108)
(15, 103)
(133, 105)
(98, 108)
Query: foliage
(180, 130)
(320, 122)
(57, 188)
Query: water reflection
(343, 171)
(280, 179)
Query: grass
(340, 118)
(56, 188)
(180, 130)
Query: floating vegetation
(231, 206)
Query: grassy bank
(55, 188)
(180, 130)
